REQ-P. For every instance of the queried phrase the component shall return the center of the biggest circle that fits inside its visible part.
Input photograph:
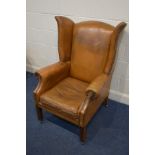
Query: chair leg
(83, 134)
(39, 113)
(106, 102)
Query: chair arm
(97, 87)
(84, 106)
(98, 84)
(50, 76)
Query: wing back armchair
(75, 87)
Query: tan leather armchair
(75, 87)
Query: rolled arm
(50, 76)
(97, 85)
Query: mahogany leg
(83, 133)
(106, 102)
(39, 113)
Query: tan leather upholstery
(50, 76)
(91, 42)
(98, 84)
(65, 31)
(66, 96)
(75, 87)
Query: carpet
(108, 132)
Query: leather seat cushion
(66, 96)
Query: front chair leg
(83, 134)
(39, 113)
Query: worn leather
(65, 31)
(88, 109)
(75, 87)
(66, 96)
(96, 92)
(113, 46)
(98, 84)
(91, 42)
(50, 76)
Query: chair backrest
(90, 46)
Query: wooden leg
(106, 102)
(39, 113)
(83, 133)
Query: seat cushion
(66, 96)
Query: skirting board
(119, 97)
(114, 95)
(31, 69)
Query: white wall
(42, 34)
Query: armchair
(75, 87)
